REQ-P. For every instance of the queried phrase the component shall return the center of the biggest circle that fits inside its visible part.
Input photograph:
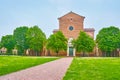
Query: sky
(45, 14)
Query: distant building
(71, 24)
(3, 50)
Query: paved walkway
(54, 70)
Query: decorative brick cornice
(71, 13)
(55, 30)
(89, 29)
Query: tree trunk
(57, 52)
(83, 54)
(105, 54)
(113, 54)
(36, 53)
(49, 53)
(119, 52)
(9, 52)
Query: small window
(71, 28)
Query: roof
(89, 29)
(71, 13)
(55, 30)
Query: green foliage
(36, 39)
(119, 40)
(0, 44)
(8, 42)
(108, 39)
(20, 37)
(10, 64)
(84, 43)
(57, 42)
(93, 69)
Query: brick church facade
(70, 25)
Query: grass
(94, 69)
(10, 64)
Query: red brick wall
(68, 20)
(91, 34)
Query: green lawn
(10, 64)
(94, 69)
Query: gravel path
(54, 70)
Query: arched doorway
(70, 49)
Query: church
(70, 25)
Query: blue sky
(44, 13)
